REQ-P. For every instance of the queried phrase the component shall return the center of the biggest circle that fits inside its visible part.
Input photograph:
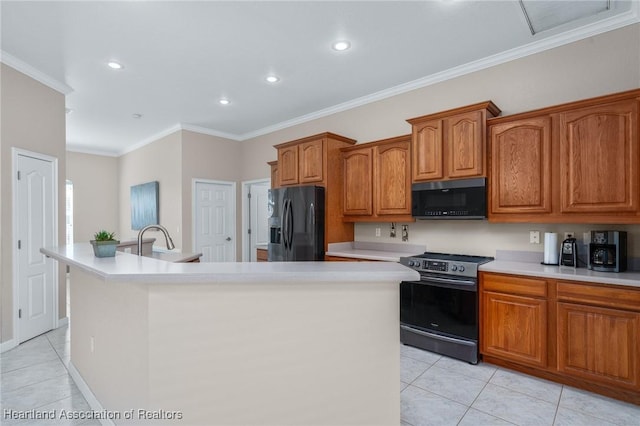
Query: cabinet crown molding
(487, 105)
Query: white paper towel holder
(555, 236)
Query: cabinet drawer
(513, 285)
(612, 297)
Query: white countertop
(129, 267)
(390, 252)
(631, 279)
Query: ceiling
(180, 58)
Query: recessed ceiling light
(115, 65)
(136, 115)
(341, 45)
(272, 79)
(224, 101)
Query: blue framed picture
(144, 205)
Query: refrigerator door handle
(312, 216)
(290, 225)
(285, 221)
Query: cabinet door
(288, 165)
(275, 176)
(599, 344)
(311, 161)
(599, 158)
(358, 182)
(427, 151)
(464, 138)
(521, 166)
(514, 328)
(392, 174)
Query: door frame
(15, 153)
(246, 256)
(232, 184)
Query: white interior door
(214, 221)
(35, 220)
(258, 217)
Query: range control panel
(464, 269)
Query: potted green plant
(104, 244)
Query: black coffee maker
(608, 251)
(569, 253)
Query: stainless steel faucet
(167, 238)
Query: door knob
(228, 238)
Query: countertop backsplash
(482, 238)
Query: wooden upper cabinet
(288, 165)
(358, 182)
(392, 177)
(275, 175)
(465, 136)
(306, 161)
(599, 158)
(520, 166)
(311, 167)
(427, 151)
(451, 144)
(377, 184)
(571, 163)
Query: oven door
(441, 305)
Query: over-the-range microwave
(451, 199)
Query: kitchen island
(236, 343)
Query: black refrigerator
(296, 224)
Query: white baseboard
(63, 321)
(9, 344)
(86, 392)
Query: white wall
(595, 66)
(33, 118)
(95, 194)
(158, 161)
(209, 157)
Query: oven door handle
(437, 336)
(453, 281)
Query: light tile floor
(435, 390)
(34, 375)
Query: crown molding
(589, 30)
(151, 139)
(34, 73)
(81, 149)
(632, 16)
(209, 132)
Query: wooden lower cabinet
(346, 259)
(599, 344)
(586, 335)
(514, 319)
(262, 255)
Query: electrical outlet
(92, 344)
(534, 237)
(586, 237)
(568, 235)
(378, 232)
